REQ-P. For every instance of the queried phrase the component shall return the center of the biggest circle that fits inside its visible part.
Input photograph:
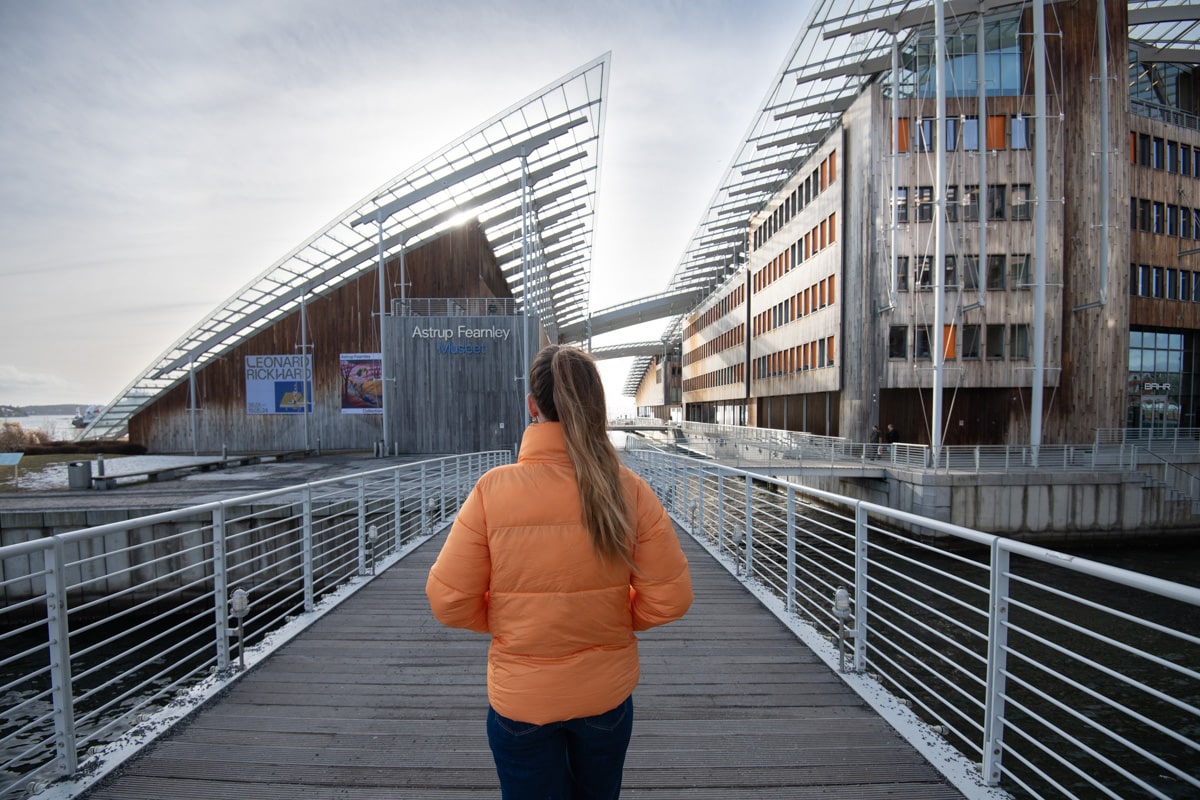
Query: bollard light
(841, 610)
(841, 603)
(239, 603)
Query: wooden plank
(378, 700)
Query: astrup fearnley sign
(445, 338)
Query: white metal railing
(1060, 676)
(104, 625)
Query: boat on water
(86, 416)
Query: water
(58, 428)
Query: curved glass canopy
(532, 168)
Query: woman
(561, 557)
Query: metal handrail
(106, 625)
(1062, 677)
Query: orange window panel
(833, 166)
(902, 135)
(824, 174)
(949, 337)
(829, 355)
(996, 128)
(822, 234)
(832, 227)
(831, 292)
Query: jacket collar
(544, 441)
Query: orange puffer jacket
(519, 564)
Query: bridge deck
(377, 700)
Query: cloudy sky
(156, 156)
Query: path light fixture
(239, 606)
(841, 610)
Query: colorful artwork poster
(362, 383)
(279, 384)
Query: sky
(155, 157)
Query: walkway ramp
(377, 700)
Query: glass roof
(842, 47)
(559, 131)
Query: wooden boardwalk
(377, 700)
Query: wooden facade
(343, 320)
(879, 370)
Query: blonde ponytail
(566, 387)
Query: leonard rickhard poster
(278, 384)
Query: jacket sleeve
(458, 582)
(661, 588)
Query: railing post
(66, 758)
(442, 491)
(977, 459)
(307, 549)
(220, 587)
(720, 514)
(362, 526)
(861, 529)
(749, 526)
(791, 549)
(993, 710)
(424, 502)
(397, 510)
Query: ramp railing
(1059, 676)
(102, 626)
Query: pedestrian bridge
(834, 648)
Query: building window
(970, 341)
(900, 201)
(995, 342)
(1159, 220)
(1159, 289)
(1019, 342)
(971, 273)
(902, 273)
(1020, 271)
(1143, 215)
(924, 204)
(1172, 284)
(1020, 201)
(995, 201)
(951, 204)
(924, 276)
(1185, 222)
(1185, 285)
(971, 133)
(997, 128)
(926, 141)
(1018, 133)
(995, 272)
(1185, 160)
(1157, 155)
(1144, 149)
(921, 350)
(898, 341)
(1172, 220)
(951, 134)
(971, 204)
(951, 272)
(1145, 281)
(1172, 156)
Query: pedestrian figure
(561, 557)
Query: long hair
(566, 387)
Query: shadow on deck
(377, 700)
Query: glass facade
(1002, 62)
(1161, 386)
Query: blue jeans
(579, 759)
